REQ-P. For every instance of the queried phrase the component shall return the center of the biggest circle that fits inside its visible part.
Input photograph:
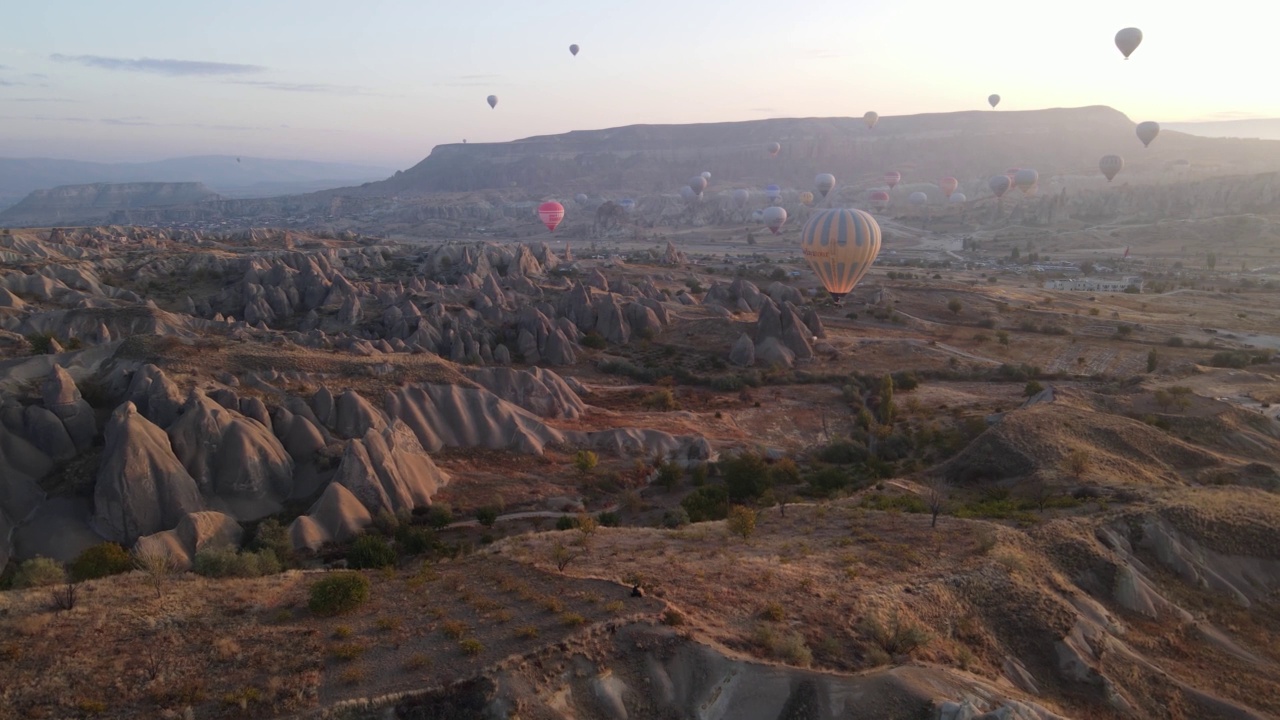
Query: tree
(955, 307)
(1015, 254)
(936, 493)
(746, 477)
(1211, 260)
(1164, 399)
(886, 409)
(159, 567)
(1153, 361)
(742, 521)
(585, 461)
(1002, 336)
(1181, 396)
(561, 556)
(587, 527)
(1032, 389)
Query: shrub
(672, 618)
(487, 516)
(608, 519)
(706, 503)
(571, 619)
(339, 592)
(742, 521)
(273, 536)
(896, 636)
(565, 523)
(527, 631)
(439, 516)
(594, 340)
(412, 540)
(455, 629)
(955, 307)
(773, 611)
(746, 476)
(100, 561)
(669, 475)
(471, 646)
(39, 572)
(1032, 389)
(843, 452)
(41, 343)
(675, 517)
(585, 461)
(347, 652)
(661, 400)
(785, 472)
(698, 477)
(370, 551)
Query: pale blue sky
(381, 82)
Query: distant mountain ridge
(969, 145)
(225, 174)
(95, 203)
(1260, 128)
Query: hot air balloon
(840, 246)
(493, 101)
(825, 182)
(806, 198)
(688, 193)
(580, 198)
(1128, 40)
(1024, 180)
(958, 198)
(551, 213)
(574, 49)
(757, 215)
(740, 197)
(706, 175)
(918, 198)
(994, 100)
(774, 148)
(773, 192)
(879, 199)
(948, 185)
(892, 179)
(698, 183)
(1147, 131)
(871, 119)
(627, 205)
(1000, 184)
(774, 218)
(1111, 165)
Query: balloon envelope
(994, 100)
(871, 119)
(1111, 165)
(806, 198)
(740, 197)
(688, 193)
(1024, 180)
(492, 100)
(1000, 185)
(918, 198)
(698, 183)
(824, 183)
(958, 198)
(627, 204)
(948, 185)
(706, 175)
(892, 179)
(580, 198)
(757, 215)
(879, 199)
(840, 246)
(773, 192)
(1147, 131)
(773, 149)
(574, 49)
(774, 218)
(1128, 40)
(551, 213)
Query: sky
(380, 82)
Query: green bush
(746, 477)
(895, 503)
(273, 536)
(412, 540)
(370, 551)
(608, 519)
(565, 523)
(225, 562)
(594, 340)
(41, 343)
(709, 502)
(843, 452)
(439, 516)
(487, 516)
(675, 517)
(100, 561)
(39, 572)
(339, 592)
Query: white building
(1090, 284)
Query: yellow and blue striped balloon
(840, 245)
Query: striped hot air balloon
(892, 178)
(879, 199)
(806, 198)
(551, 213)
(840, 245)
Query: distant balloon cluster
(841, 244)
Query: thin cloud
(762, 110)
(39, 100)
(130, 122)
(157, 66)
(303, 87)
